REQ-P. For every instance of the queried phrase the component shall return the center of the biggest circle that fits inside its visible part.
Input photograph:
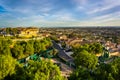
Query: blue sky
(50, 13)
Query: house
(28, 32)
(46, 34)
(3, 31)
(63, 37)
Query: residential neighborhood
(64, 45)
(59, 39)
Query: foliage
(37, 46)
(86, 59)
(41, 45)
(87, 68)
(29, 50)
(102, 72)
(54, 52)
(95, 48)
(43, 70)
(11, 70)
(11, 31)
(7, 66)
(55, 38)
(17, 51)
(26, 48)
(5, 47)
(63, 44)
(81, 73)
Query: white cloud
(65, 17)
(106, 16)
(81, 2)
(62, 15)
(105, 5)
(37, 13)
(27, 6)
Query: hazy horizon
(59, 13)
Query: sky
(58, 13)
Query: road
(27, 39)
(62, 54)
(65, 69)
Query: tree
(81, 74)
(106, 72)
(5, 47)
(110, 77)
(41, 45)
(6, 50)
(54, 52)
(95, 48)
(22, 43)
(14, 31)
(20, 74)
(98, 48)
(28, 49)
(7, 66)
(43, 70)
(116, 68)
(17, 51)
(37, 46)
(63, 44)
(86, 59)
(77, 50)
(47, 42)
(8, 30)
(55, 38)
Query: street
(62, 54)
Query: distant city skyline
(47, 13)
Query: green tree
(28, 50)
(6, 50)
(116, 68)
(106, 72)
(17, 51)
(37, 46)
(14, 31)
(42, 46)
(7, 66)
(47, 42)
(8, 30)
(5, 47)
(86, 59)
(22, 43)
(43, 70)
(110, 77)
(63, 44)
(81, 73)
(20, 74)
(98, 48)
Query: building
(28, 32)
(63, 37)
